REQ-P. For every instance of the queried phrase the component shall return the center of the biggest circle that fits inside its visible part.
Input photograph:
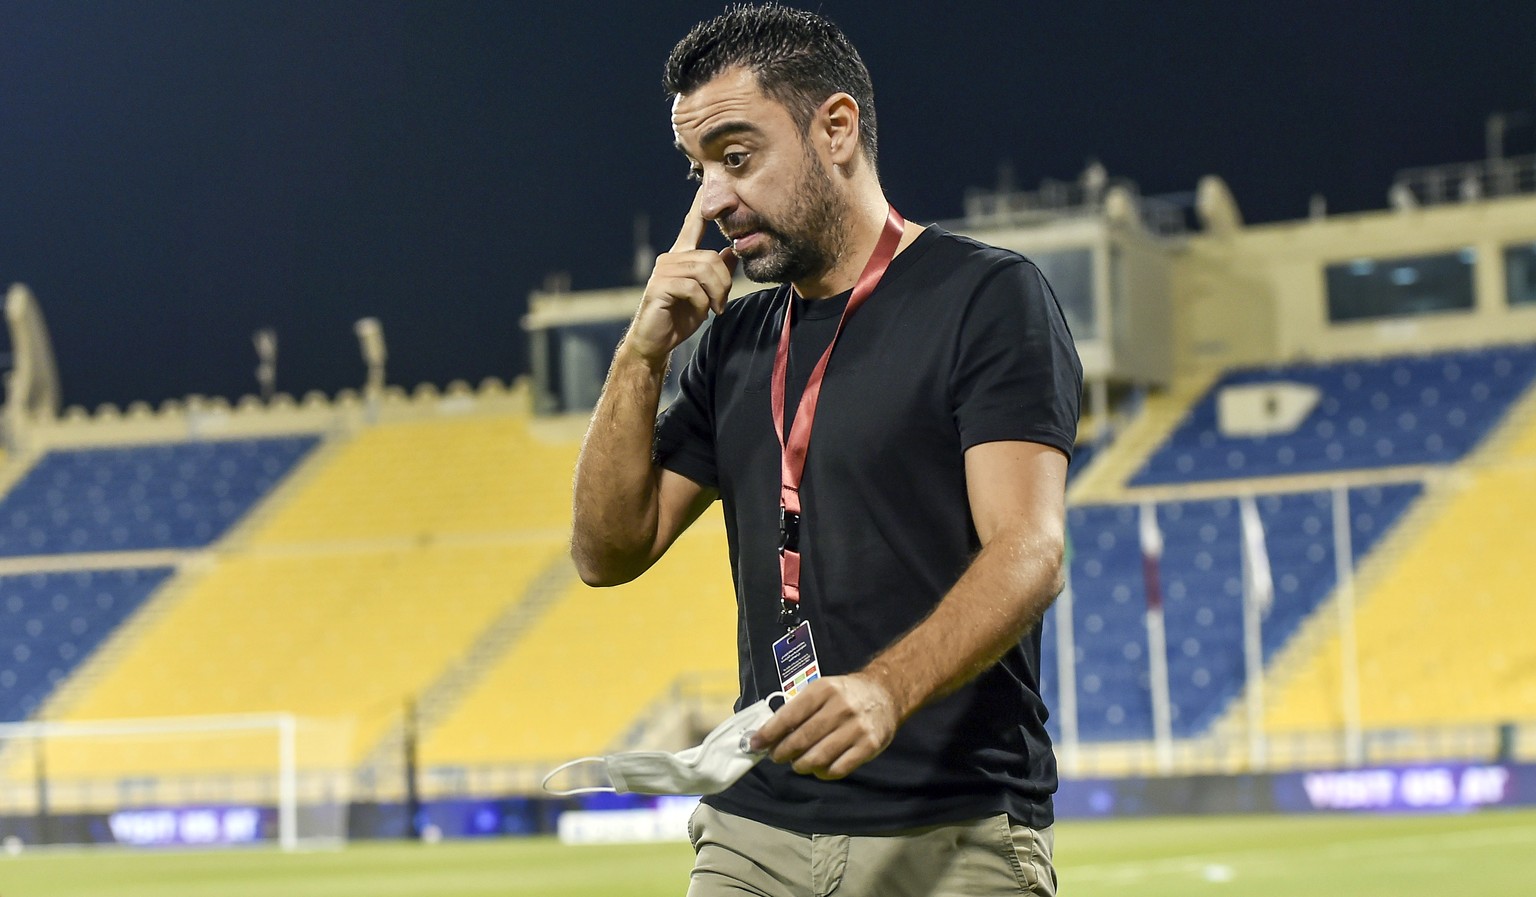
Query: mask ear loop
(569, 792)
(746, 737)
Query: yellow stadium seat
(392, 555)
(1444, 635)
(597, 660)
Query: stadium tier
(50, 622)
(132, 498)
(1201, 576)
(1444, 634)
(388, 558)
(392, 554)
(588, 669)
(1404, 410)
(329, 636)
(476, 476)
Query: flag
(1261, 584)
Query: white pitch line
(1197, 863)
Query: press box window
(1400, 287)
(1520, 274)
(1070, 274)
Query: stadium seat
(597, 660)
(376, 575)
(134, 498)
(327, 636)
(1201, 575)
(51, 622)
(1426, 409)
(431, 480)
(1444, 634)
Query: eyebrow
(720, 132)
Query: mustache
(744, 224)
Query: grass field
(1492, 854)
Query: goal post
(176, 781)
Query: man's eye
(696, 175)
(735, 160)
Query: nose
(719, 197)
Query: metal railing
(1229, 753)
(1224, 753)
(1465, 182)
(1060, 200)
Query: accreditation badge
(795, 656)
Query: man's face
(764, 185)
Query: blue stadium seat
(175, 495)
(1082, 455)
(51, 622)
(1201, 574)
(1429, 409)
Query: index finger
(784, 721)
(694, 225)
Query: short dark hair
(799, 58)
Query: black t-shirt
(960, 344)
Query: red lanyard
(792, 450)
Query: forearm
(616, 508)
(1004, 593)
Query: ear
(836, 128)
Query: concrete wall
(1258, 295)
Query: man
(917, 549)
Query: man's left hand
(836, 725)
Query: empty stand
(326, 636)
(1202, 590)
(172, 495)
(1445, 635)
(597, 659)
(1429, 409)
(51, 622)
(377, 573)
(431, 479)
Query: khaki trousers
(986, 857)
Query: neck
(866, 219)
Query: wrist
(897, 691)
(653, 361)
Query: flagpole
(1258, 595)
(1253, 663)
(1349, 651)
(1157, 638)
(1162, 724)
(1066, 673)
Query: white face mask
(725, 756)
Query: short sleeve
(1017, 375)
(685, 433)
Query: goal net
(184, 781)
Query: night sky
(179, 174)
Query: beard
(807, 239)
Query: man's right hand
(686, 284)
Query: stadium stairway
(1103, 480)
(439, 700)
(595, 660)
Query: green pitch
(1491, 854)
